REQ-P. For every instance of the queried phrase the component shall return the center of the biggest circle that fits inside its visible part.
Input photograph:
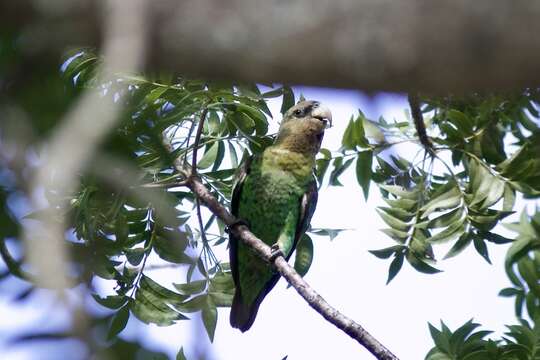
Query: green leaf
(221, 299)
(209, 317)
(121, 229)
(273, 93)
(220, 155)
(304, 255)
(529, 273)
(446, 219)
(372, 130)
(347, 141)
(398, 213)
(112, 301)
(155, 94)
(321, 165)
(447, 200)
(495, 238)
(148, 310)
(172, 248)
(118, 322)
(393, 222)
(399, 236)
(135, 256)
(510, 292)
(359, 135)
(463, 241)
(339, 168)
(363, 170)
(259, 120)
(209, 156)
(462, 122)
(481, 248)
(440, 339)
(509, 198)
(395, 266)
(162, 293)
(401, 192)
(453, 231)
(194, 304)
(191, 288)
(288, 99)
(420, 265)
(180, 355)
(387, 252)
(233, 155)
(403, 204)
(222, 281)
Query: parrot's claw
(275, 252)
(238, 222)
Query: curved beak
(322, 113)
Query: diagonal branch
(315, 300)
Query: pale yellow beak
(323, 113)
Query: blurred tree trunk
(443, 46)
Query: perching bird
(275, 195)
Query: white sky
(343, 272)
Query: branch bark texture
(314, 300)
(444, 46)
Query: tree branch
(447, 46)
(418, 119)
(316, 301)
(198, 140)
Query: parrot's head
(303, 125)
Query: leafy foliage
(460, 190)
(129, 216)
(522, 340)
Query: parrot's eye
(297, 112)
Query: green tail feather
(243, 315)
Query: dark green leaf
(420, 265)
(180, 355)
(209, 317)
(339, 168)
(509, 292)
(221, 299)
(481, 248)
(118, 322)
(193, 287)
(463, 241)
(440, 339)
(209, 156)
(387, 252)
(288, 99)
(304, 255)
(395, 266)
(495, 238)
(112, 301)
(363, 170)
(135, 256)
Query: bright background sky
(343, 272)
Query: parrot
(275, 195)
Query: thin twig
(418, 119)
(197, 140)
(206, 247)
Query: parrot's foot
(275, 252)
(238, 222)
